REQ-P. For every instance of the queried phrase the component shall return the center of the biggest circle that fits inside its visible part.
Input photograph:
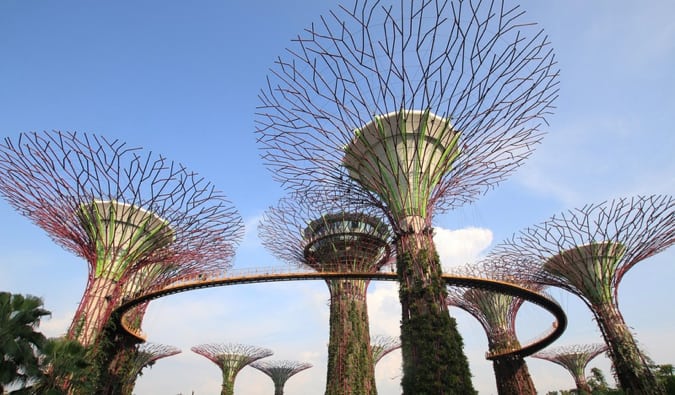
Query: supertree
(231, 358)
(497, 314)
(383, 345)
(574, 358)
(144, 355)
(334, 238)
(280, 371)
(123, 211)
(587, 252)
(414, 108)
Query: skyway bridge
(280, 273)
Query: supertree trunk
(429, 336)
(630, 366)
(94, 309)
(511, 373)
(351, 369)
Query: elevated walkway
(279, 273)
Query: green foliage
(65, 369)
(351, 369)
(109, 342)
(433, 358)
(665, 374)
(19, 341)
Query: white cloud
(461, 246)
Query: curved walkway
(269, 274)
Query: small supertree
(497, 313)
(331, 238)
(587, 252)
(144, 355)
(574, 358)
(413, 108)
(121, 210)
(383, 345)
(280, 371)
(231, 358)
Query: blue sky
(181, 80)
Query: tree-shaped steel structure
(587, 252)
(121, 210)
(144, 355)
(497, 314)
(280, 371)
(574, 358)
(231, 358)
(413, 108)
(333, 238)
(382, 345)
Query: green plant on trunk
(428, 333)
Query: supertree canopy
(231, 358)
(574, 358)
(383, 345)
(144, 355)
(127, 213)
(334, 238)
(414, 108)
(280, 371)
(497, 314)
(587, 252)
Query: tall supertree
(334, 238)
(497, 314)
(144, 355)
(120, 209)
(415, 108)
(574, 358)
(231, 358)
(280, 371)
(587, 252)
(383, 345)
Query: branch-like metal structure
(414, 108)
(381, 345)
(130, 215)
(476, 70)
(574, 358)
(144, 355)
(231, 358)
(497, 314)
(280, 371)
(587, 252)
(333, 238)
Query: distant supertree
(333, 238)
(231, 358)
(144, 355)
(383, 345)
(587, 252)
(497, 313)
(121, 210)
(413, 108)
(574, 358)
(280, 371)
